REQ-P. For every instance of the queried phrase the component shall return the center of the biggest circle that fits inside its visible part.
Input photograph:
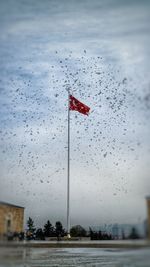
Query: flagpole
(68, 170)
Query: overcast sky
(101, 49)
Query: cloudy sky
(101, 50)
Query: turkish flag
(75, 104)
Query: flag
(75, 104)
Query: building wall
(148, 216)
(11, 219)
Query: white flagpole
(68, 173)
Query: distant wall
(148, 216)
(11, 219)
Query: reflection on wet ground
(47, 257)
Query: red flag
(75, 104)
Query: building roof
(10, 204)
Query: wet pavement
(52, 257)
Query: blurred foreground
(27, 257)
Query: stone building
(11, 218)
(148, 216)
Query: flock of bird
(34, 119)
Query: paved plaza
(92, 257)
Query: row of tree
(59, 231)
(99, 235)
(52, 231)
(76, 231)
(48, 231)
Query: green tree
(31, 229)
(39, 234)
(30, 224)
(123, 235)
(78, 231)
(48, 229)
(59, 230)
(134, 234)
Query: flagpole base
(68, 236)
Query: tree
(78, 231)
(30, 224)
(59, 230)
(48, 229)
(123, 235)
(31, 229)
(91, 233)
(39, 234)
(134, 234)
(99, 235)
